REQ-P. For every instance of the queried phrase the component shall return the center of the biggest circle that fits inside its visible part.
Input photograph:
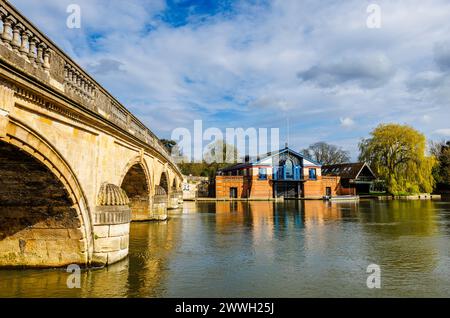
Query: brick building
(356, 178)
(284, 173)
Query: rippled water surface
(265, 249)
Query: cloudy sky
(259, 63)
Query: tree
(169, 144)
(221, 152)
(396, 153)
(441, 172)
(216, 156)
(326, 154)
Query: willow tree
(397, 155)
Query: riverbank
(423, 196)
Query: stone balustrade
(19, 38)
(79, 84)
(23, 46)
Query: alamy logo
(74, 19)
(222, 147)
(374, 279)
(374, 19)
(74, 279)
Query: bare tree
(326, 154)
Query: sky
(262, 64)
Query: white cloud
(243, 70)
(347, 122)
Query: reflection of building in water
(319, 212)
(262, 213)
(265, 218)
(230, 213)
(324, 222)
(288, 214)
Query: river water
(265, 249)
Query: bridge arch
(174, 184)
(44, 216)
(164, 182)
(136, 183)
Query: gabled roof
(257, 160)
(346, 170)
(288, 150)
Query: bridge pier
(175, 199)
(111, 226)
(159, 206)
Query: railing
(364, 178)
(26, 48)
(23, 40)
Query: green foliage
(169, 144)
(441, 171)
(217, 155)
(396, 153)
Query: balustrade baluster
(32, 50)
(16, 41)
(8, 21)
(40, 54)
(3, 15)
(24, 49)
(47, 53)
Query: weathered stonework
(111, 226)
(62, 136)
(159, 209)
(39, 226)
(6, 105)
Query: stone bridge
(75, 165)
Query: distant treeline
(398, 154)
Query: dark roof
(345, 170)
(236, 166)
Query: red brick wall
(224, 183)
(262, 189)
(317, 189)
(247, 187)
